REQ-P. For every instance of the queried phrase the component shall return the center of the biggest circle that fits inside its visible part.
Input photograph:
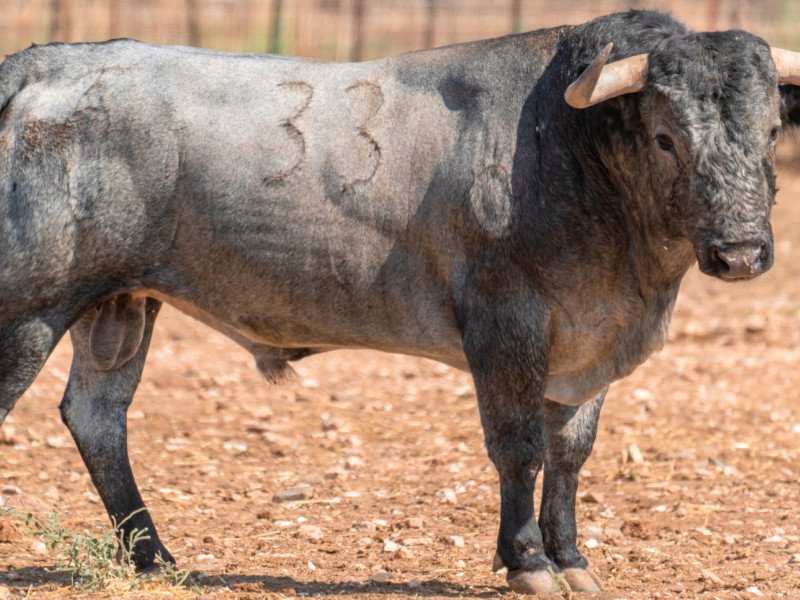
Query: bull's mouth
(736, 262)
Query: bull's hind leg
(109, 350)
(570, 432)
(24, 348)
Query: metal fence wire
(355, 29)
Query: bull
(522, 207)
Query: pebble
(635, 528)
(300, 492)
(456, 540)
(634, 454)
(9, 532)
(381, 576)
(414, 584)
(365, 542)
(390, 546)
(418, 541)
(311, 532)
(368, 526)
(755, 591)
(447, 496)
(592, 498)
(591, 543)
(38, 547)
(414, 523)
(795, 559)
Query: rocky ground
(692, 490)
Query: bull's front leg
(570, 434)
(506, 343)
(109, 349)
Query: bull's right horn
(601, 82)
(787, 63)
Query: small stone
(311, 532)
(592, 498)
(381, 576)
(368, 526)
(10, 532)
(612, 533)
(418, 541)
(414, 584)
(337, 472)
(38, 547)
(755, 591)
(354, 463)
(10, 490)
(390, 546)
(591, 543)
(794, 559)
(365, 542)
(447, 496)
(635, 528)
(312, 566)
(262, 412)
(414, 523)
(710, 577)
(456, 540)
(634, 454)
(300, 492)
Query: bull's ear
(790, 106)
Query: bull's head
(710, 107)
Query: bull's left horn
(787, 63)
(601, 82)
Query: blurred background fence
(354, 29)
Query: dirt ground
(692, 490)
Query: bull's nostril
(718, 259)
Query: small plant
(96, 562)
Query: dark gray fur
(446, 204)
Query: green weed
(97, 562)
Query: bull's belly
(431, 337)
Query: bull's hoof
(545, 584)
(583, 580)
(497, 563)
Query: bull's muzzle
(737, 262)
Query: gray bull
(447, 204)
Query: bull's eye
(664, 142)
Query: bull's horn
(787, 63)
(601, 82)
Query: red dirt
(692, 490)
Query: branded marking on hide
(365, 100)
(298, 94)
